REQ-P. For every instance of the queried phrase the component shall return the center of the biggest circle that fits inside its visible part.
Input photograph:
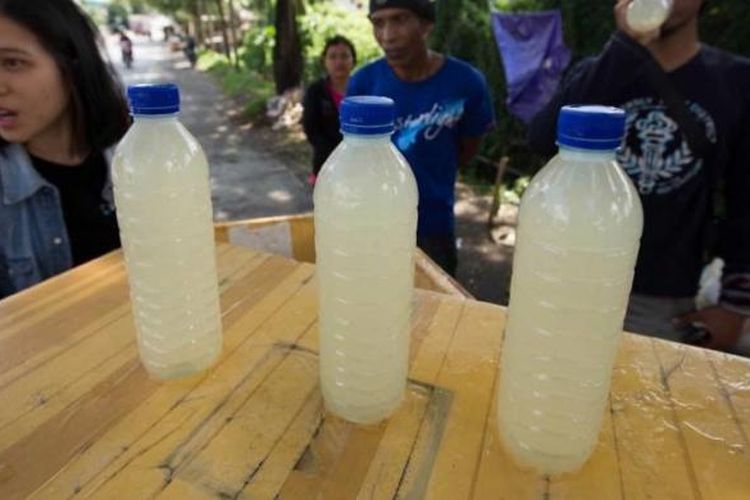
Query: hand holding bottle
(642, 19)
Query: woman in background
(320, 117)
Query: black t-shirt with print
(676, 185)
(90, 220)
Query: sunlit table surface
(80, 416)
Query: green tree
(287, 50)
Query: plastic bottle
(580, 224)
(163, 201)
(644, 16)
(365, 235)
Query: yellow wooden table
(79, 416)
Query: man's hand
(621, 10)
(725, 326)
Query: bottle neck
(156, 118)
(586, 155)
(369, 139)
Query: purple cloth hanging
(534, 57)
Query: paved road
(245, 182)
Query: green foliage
(165, 6)
(258, 48)
(725, 25)
(117, 16)
(250, 85)
(512, 192)
(324, 20)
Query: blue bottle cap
(597, 128)
(154, 99)
(367, 115)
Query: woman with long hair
(61, 111)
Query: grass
(253, 88)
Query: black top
(676, 184)
(89, 219)
(320, 119)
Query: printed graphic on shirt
(429, 124)
(656, 155)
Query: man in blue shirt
(443, 108)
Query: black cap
(423, 8)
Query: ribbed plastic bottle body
(365, 235)
(579, 230)
(163, 200)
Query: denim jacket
(34, 243)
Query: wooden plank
(81, 316)
(233, 263)
(55, 297)
(499, 477)
(416, 475)
(250, 286)
(57, 376)
(303, 239)
(28, 462)
(61, 314)
(733, 373)
(345, 461)
(267, 480)
(388, 465)
(468, 371)
(652, 461)
(227, 451)
(48, 295)
(336, 462)
(599, 477)
(434, 326)
(301, 228)
(263, 221)
(31, 348)
(429, 276)
(168, 418)
(59, 383)
(275, 469)
(711, 436)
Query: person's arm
(734, 245)
(312, 117)
(735, 231)
(726, 321)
